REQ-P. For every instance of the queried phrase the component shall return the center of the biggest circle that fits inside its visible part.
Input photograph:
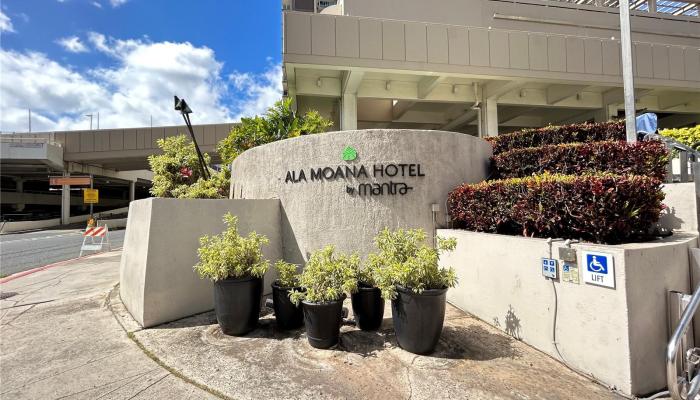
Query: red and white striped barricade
(90, 236)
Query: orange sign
(69, 180)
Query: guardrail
(687, 385)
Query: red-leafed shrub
(585, 132)
(602, 208)
(617, 157)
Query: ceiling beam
(468, 116)
(400, 108)
(496, 89)
(671, 100)
(427, 84)
(352, 81)
(616, 95)
(558, 93)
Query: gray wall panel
(498, 49)
(458, 45)
(322, 35)
(347, 37)
(575, 55)
(438, 44)
(416, 42)
(479, 47)
(370, 39)
(538, 52)
(393, 41)
(519, 50)
(593, 53)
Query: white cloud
(72, 44)
(140, 84)
(97, 4)
(5, 23)
(117, 3)
(257, 92)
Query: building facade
(488, 66)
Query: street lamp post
(185, 110)
(627, 73)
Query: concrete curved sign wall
(343, 187)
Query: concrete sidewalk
(64, 335)
(59, 340)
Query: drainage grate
(7, 295)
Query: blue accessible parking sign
(549, 268)
(598, 269)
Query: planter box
(618, 335)
(682, 211)
(157, 282)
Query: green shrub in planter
(687, 136)
(574, 133)
(409, 274)
(326, 279)
(236, 265)
(602, 208)
(287, 314)
(176, 172)
(618, 157)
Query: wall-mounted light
(388, 85)
(578, 96)
(522, 93)
(454, 89)
(319, 82)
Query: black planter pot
(418, 318)
(368, 307)
(287, 315)
(237, 304)
(323, 322)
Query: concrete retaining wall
(340, 209)
(19, 226)
(617, 335)
(682, 211)
(157, 282)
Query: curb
(56, 264)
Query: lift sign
(598, 269)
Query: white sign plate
(598, 268)
(549, 268)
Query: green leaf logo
(349, 154)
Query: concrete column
(490, 118)
(65, 202)
(348, 112)
(19, 188)
(132, 191)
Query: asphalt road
(22, 251)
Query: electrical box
(567, 254)
(549, 268)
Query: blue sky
(126, 58)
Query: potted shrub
(409, 275)
(367, 301)
(287, 314)
(236, 266)
(326, 278)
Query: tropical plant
(687, 136)
(603, 208)
(327, 276)
(279, 122)
(288, 274)
(230, 255)
(574, 133)
(618, 157)
(176, 172)
(404, 259)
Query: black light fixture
(185, 110)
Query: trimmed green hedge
(687, 136)
(602, 208)
(618, 157)
(586, 132)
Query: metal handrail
(678, 386)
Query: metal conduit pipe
(477, 107)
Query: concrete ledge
(681, 212)
(157, 282)
(19, 226)
(617, 335)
